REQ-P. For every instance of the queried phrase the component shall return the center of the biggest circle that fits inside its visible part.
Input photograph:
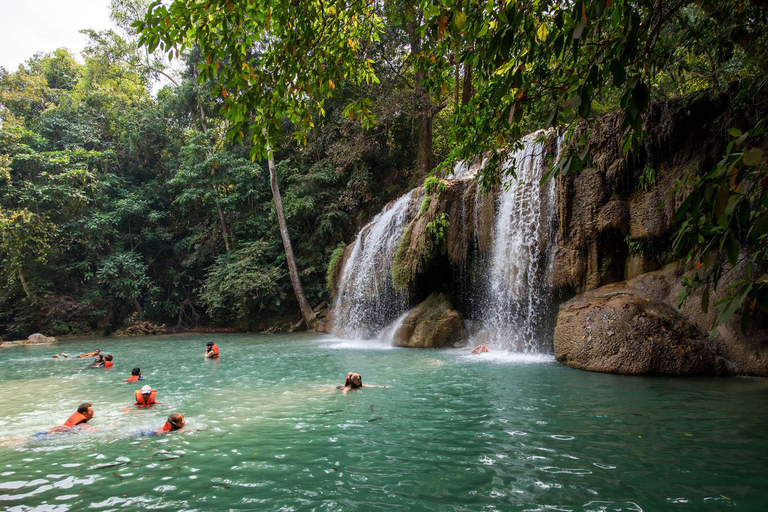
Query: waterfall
(515, 299)
(367, 300)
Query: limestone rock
(40, 339)
(614, 214)
(432, 324)
(615, 329)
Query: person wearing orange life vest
(145, 397)
(108, 363)
(80, 417)
(174, 422)
(211, 350)
(135, 375)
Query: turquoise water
(267, 430)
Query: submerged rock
(619, 329)
(432, 324)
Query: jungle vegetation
(203, 161)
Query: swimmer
(135, 375)
(174, 422)
(108, 361)
(99, 362)
(479, 349)
(95, 353)
(145, 397)
(60, 356)
(80, 417)
(355, 381)
(211, 350)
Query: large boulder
(618, 329)
(432, 324)
(33, 339)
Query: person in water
(355, 381)
(99, 362)
(174, 422)
(145, 397)
(108, 363)
(211, 350)
(80, 417)
(95, 353)
(60, 356)
(479, 349)
(135, 375)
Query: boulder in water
(33, 339)
(618, 329)
(432, 324)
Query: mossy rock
(432, 324)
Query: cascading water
(367, 300)
(515, 303)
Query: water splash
(367, 300)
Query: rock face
(615, 329)
(432, 324)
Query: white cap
(146, 390)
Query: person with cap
(211, 350)
(135, 375)
(145, 397)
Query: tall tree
(273, 61)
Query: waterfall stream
(367, 300)
(516, 300)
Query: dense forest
(137, 188)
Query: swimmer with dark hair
(80, 417)
(99, 362)
(95, 353)
(211, 350)
(355, 381)
(108, 363)
(135, 375)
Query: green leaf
(732, 248)
(753, 157)
(734, 132)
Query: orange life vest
(132, 378)
(145, 400)
(75, 419)
(108, 364)
(215, 349)
(167, 427)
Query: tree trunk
(306, 310)
(24, 284)
(466, 93)
(422, 102)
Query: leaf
(734, 132)
(579, 29)
(732, 248)
(542, 32)
(760, 227)
(705, 300)
(573, 102)
(753, 157)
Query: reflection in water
(453, 432)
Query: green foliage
(334, 266)
(437, 228)
(723, 227)
(647, 178)
(242, 283)
(542, 63)
(266, 66)
(435, 186)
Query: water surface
(453, 432)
